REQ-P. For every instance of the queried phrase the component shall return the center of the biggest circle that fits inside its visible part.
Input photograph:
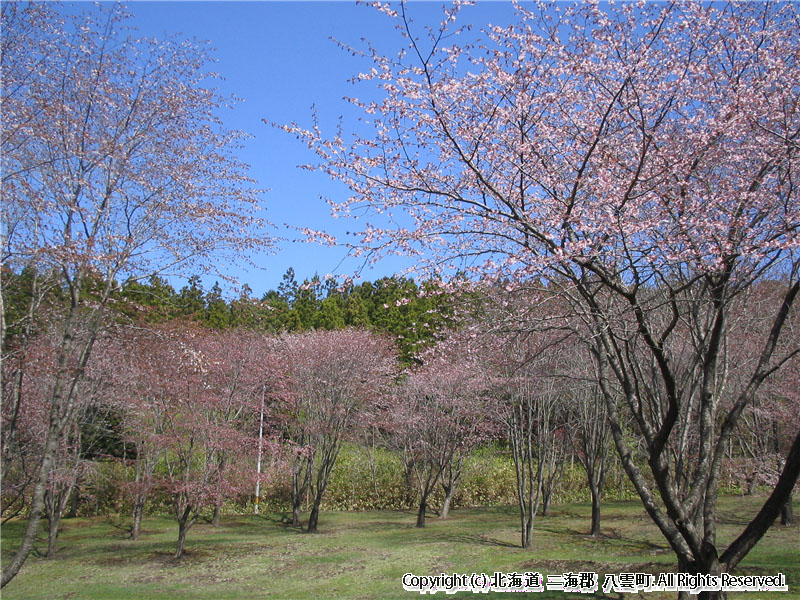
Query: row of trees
(201, 416)
(182, 405)
(185, 406)
(194, 413)
(396, 306)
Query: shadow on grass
(610, 535)
(473, 539)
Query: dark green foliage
(396, 306)
(25, 294)
(331, 314)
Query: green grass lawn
(364, 555)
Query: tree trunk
(55, 503)
(215, 518)
(138, 513)
(546, 496)
(448, 499)
(296, 512)
(527, 529)
(423, 506)
(181, 539)
(35, 513)
(184, 523)
(74, 500)
(708, 565)
(313, 518)
(61, 410)
(53, 520)
(787, 516)
(301, 478)
(595, 512)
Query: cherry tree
(115, 166)
(769, 425)
(140, 366)
(590, 439)
(437, 416)
(531, 409)
(25, 424)
(552, 404)
(203, 410)
(331, 378)
(641, 159)
(243, 366)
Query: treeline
(408, 312)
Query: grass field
(364, 555)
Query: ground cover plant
(365, 554)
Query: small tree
(438, 415)
(532, 408)
(140, 364)
(590, 439)
(207, 454)
(331, 376)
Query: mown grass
(364, 555)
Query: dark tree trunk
(181, 539)
(546, 497)
(423, 506)
(527, 529)
(325, 459)
(184, 524)
(595, 512)
(313, 519)
(54, 521)
(301, 479)
(296, 512)
(787, 515)
(708, 564)
(55, 501)
(74, 501)
(215, 518)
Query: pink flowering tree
(772, 421)
(25, 426)
(639, 158)
(207, 451)
(115, 166)
(141, 369)
(438, 414)
(190, 400)
(242, 368)
(332, 379)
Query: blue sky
(279, 58)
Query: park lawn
(364, 555)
